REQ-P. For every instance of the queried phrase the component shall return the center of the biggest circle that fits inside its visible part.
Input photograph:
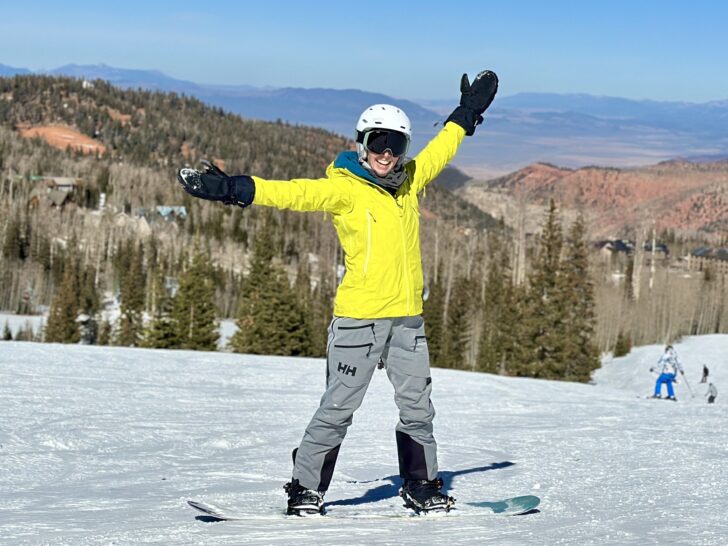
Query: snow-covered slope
(103, 445)
(632, 373)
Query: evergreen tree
(433, 313)
(89, 299)
(11, 242)
(544, 337)
(40, 252)
(629, 279)
(194, 312)
(322, 313)
(131, 322)
(581, 356)
(26, 333)
(7, 333)
(623, 345)
(162, 330)
(516, 355)
(304, 295)
(458, 326)
(17, 243)
(62, 326)
(105, 333)
(270, 320)
(494, 336)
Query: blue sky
(649, 49)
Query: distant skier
(712, 393)
(667, 368)
(705, 374)
(372, 197)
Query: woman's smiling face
(381, 164)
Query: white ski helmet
(381, 116)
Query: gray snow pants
(354, 349)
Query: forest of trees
(498, 302)
(542, 329)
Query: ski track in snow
(104, 445)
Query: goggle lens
(379, 141)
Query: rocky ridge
(677, 195)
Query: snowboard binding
(303, 502)
(424, 496)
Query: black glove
(214, 185)
(474, 100)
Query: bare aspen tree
(638, 263)
(449, 280)
(437, 250)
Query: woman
(372, 196)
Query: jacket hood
(391, 183)
(350, 162)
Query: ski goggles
(379, 141)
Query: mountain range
(569, 130)
(677, 195)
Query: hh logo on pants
(346, 369)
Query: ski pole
(688, 385)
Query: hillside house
(661, 250)
(53, 191)
(703, 258)
(610, 247)
(171, 212)
(136, 225)
(58, 183)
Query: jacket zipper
(404, 243)
(405, 265)
(369, 242)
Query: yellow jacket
(379, 233)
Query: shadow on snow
(391, 489)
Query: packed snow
(104, 445)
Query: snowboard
(507, 507)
